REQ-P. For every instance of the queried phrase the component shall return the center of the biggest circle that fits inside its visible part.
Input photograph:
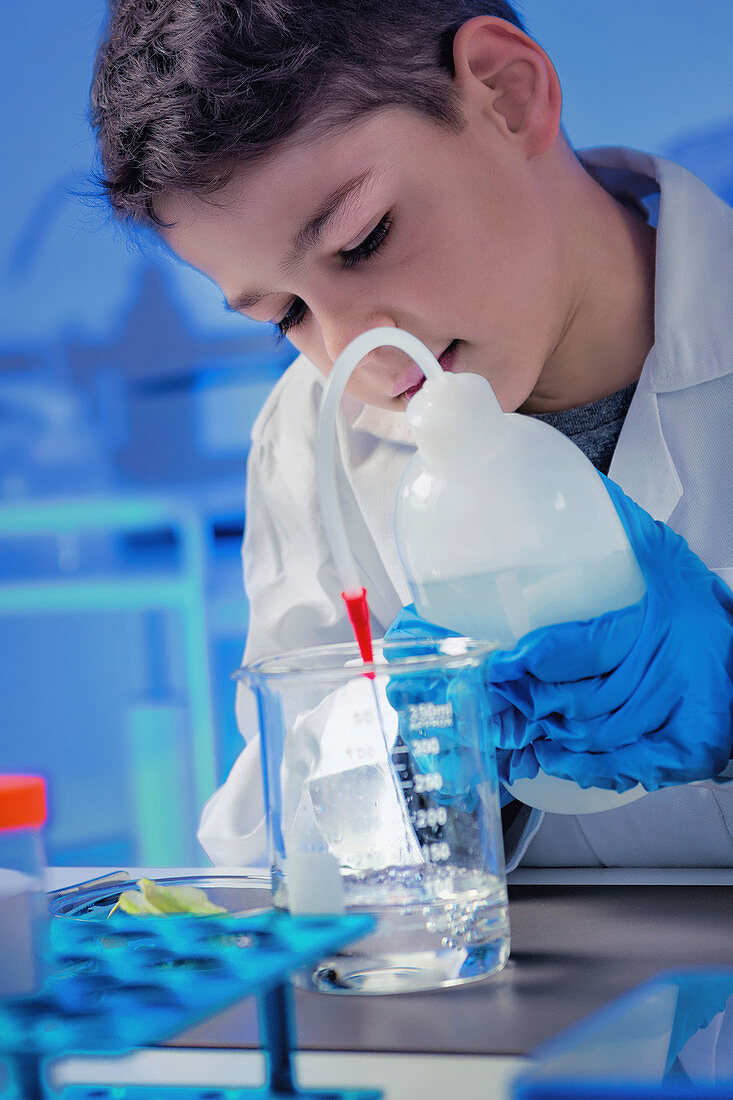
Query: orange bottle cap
(22, 801)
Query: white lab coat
(674, 457)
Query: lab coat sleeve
(289, 576)
(294, 600)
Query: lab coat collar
(694, 273)
(642, 463)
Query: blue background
(126, 399)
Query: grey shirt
(594, 428)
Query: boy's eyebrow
(307, 236)
(245, 301)
(313, 229)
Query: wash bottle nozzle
(357, 609)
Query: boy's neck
(610, 327)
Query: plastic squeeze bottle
(503, 526)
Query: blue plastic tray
(124, 982)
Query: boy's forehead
(315, 162)
(275, 204)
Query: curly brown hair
(184, 91)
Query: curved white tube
(333, 391)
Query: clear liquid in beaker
(436, 925)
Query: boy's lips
(413, 379)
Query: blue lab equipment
(126, 982)
(668, 1038)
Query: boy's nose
(339, 334)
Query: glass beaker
(382, 796)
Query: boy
(333, 167)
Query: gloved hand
(455, 764)
(642, 695)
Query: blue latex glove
(453, 762)
(643, 695)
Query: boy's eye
(293, 317)
(366, 248)
(369, 246)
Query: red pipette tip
(357, 609)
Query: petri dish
(238, 894)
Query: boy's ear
(509, 78)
